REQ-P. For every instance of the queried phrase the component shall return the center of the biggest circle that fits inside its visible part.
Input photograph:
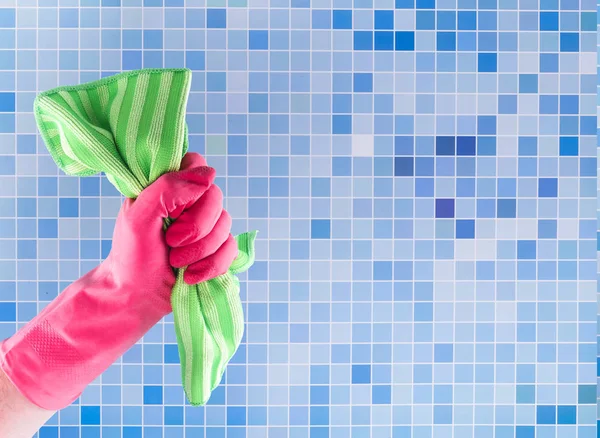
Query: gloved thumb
(192, 159)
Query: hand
(199, 237)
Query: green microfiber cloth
(131, 126)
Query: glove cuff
(76, 338)
(21, 360)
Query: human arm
(19, 418)
(100, 316)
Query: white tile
(587, 63)
(363, 145)
(568, 228)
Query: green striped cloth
(131, 126)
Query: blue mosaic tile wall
(598, 322)
(423, 176)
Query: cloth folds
(131, 126)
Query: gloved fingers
(192, 159)
(197, 220)
(189, 254)
(173, 193)
(213, 265)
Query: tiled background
(422, 173)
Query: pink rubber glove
(100, 316)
